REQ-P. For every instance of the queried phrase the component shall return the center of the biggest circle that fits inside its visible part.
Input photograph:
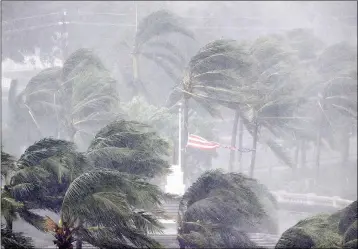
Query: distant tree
(72, 102)
(149, 43)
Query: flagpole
(180, 149)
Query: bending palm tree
(161, 52)
(211, 79)
(71, 102)
(219, 209)
(100, 207)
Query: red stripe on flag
(201, 143)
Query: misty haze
(179, 124)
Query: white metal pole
(179, 150)
(136, 16)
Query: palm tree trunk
(8, 224)
(253, 153)
(241, 136)
(233, 141)
(185, 140)
(79, 244)
(79, 241)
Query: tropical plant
(219, 209)
(102, 207)
(12, 240)
(165, 122)
(131, 147)
(44, 174)
(150, 43)
(210, 80)
(72, 102)
(337, 230)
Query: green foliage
(218, 205)
(323, 231)
(12, 240)
(72, 102)
(131, 147)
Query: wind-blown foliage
(100, 194)
(103, 207)
(323, 231)
(7, 165)
(149, 43)
(131, 147)
(218, 204)
(12, 240)
(72, 102)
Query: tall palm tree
(272, 84)
(70, 102)
(218, 205)
(149, 43)
(210, 79)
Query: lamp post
(180, 145)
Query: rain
(178, 124)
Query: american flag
(201, 143)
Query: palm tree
(101, 207)
(210, 79)
(337, 65)
(131, 147)
(272, 84)
(218, 205)
(164, 122)
(47, 169)
(72, 102)
(11, 209)
(149, 43)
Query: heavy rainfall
(172, 124)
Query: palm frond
(13, 240)
(226, 202)
(33, 219)
(78, 201)
(7, 163)
(45, 148)
(158, 23)
(137, 162)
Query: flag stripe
(199, 142)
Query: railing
(287, 201)
(311, 199)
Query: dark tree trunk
(79, 244)
(253, 153)
(8, 224)
(233, 141)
